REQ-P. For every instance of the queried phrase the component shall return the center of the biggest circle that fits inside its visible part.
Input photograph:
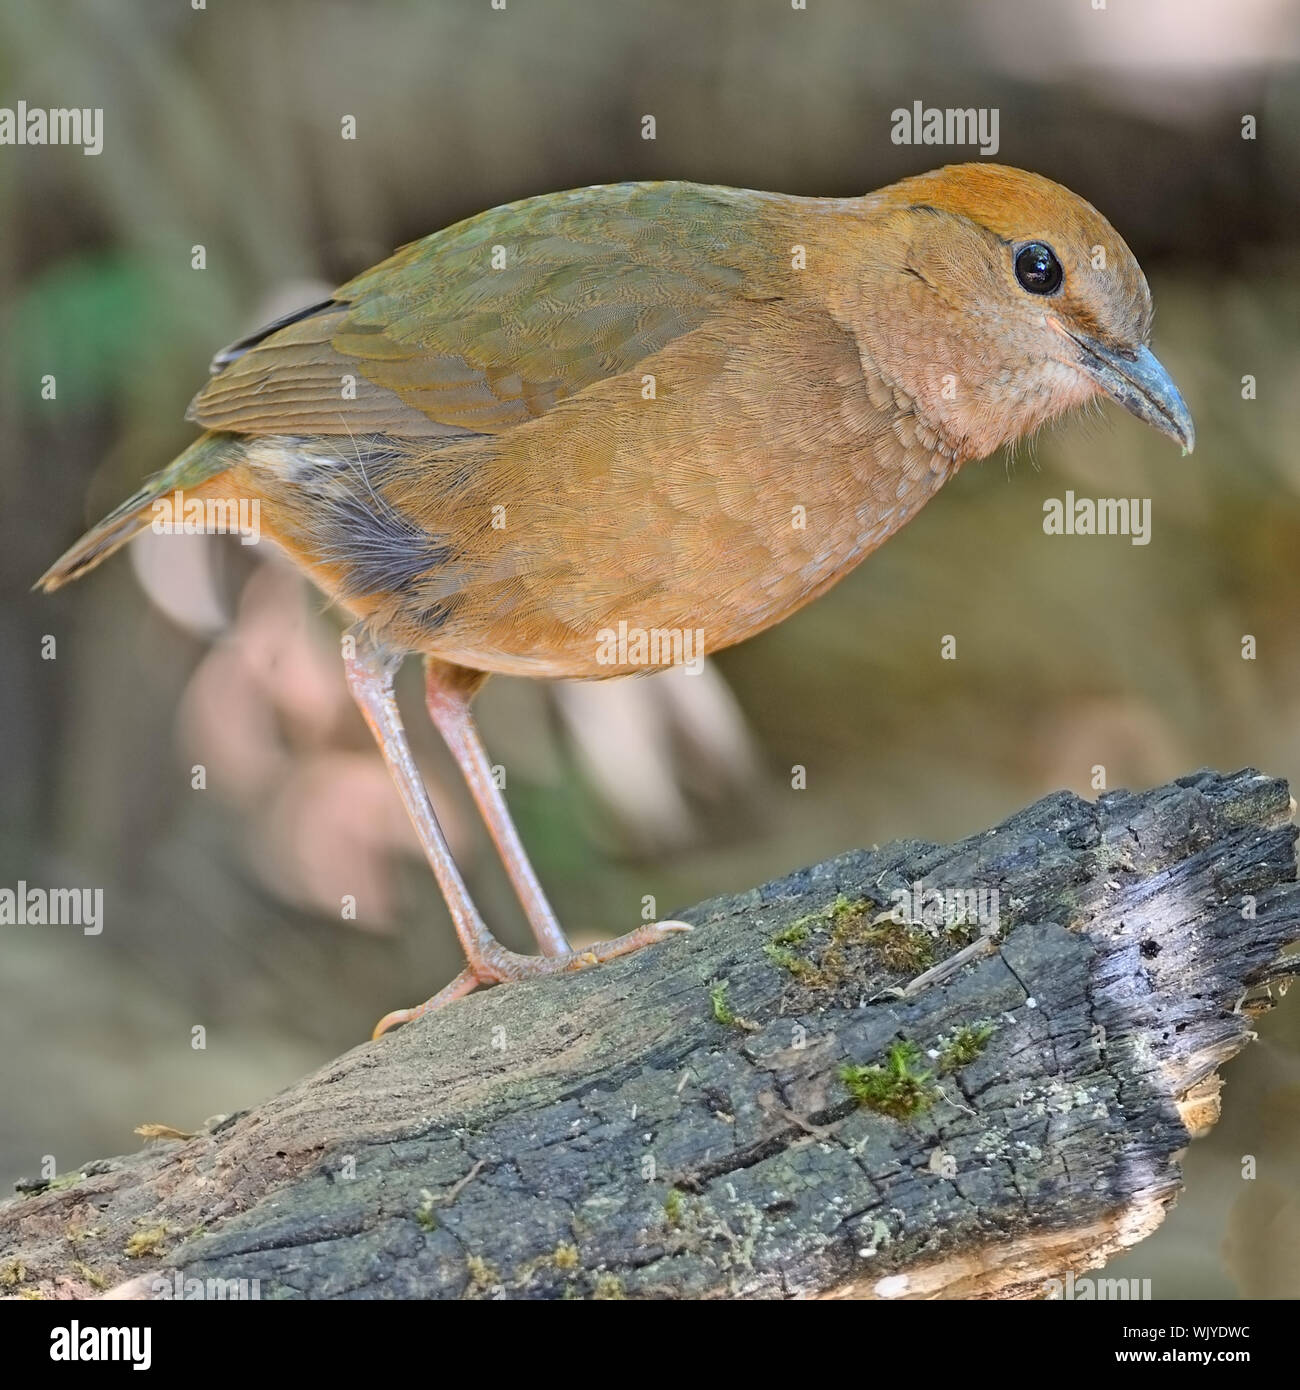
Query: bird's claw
(506, 967)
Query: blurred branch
(816, 1094)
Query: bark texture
(819, 1092)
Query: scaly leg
(448, 691)
(370, 672)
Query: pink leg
(448, 691)
(370, 672)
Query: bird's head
(1004, 300)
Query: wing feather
(439, 342)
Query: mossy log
(822, 1091)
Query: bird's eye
(1037, 268)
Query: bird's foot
(501, 967)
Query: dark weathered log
(792, 1101)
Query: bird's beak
(1135, 379)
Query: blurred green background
(222, 129)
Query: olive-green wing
(491, 322)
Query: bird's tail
(205, 458)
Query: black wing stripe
(227, 355)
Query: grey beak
(1141, 385)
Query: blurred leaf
(82, 321)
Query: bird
(595, 432)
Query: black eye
(1037, 268)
